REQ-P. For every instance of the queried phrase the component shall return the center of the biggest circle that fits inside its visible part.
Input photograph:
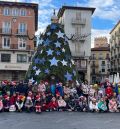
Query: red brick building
(18, 23)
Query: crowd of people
(28, 97)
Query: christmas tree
(52, 59)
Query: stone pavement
(60, 120)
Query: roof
(61, 10)
(100, 49)
(34, 6)
(115, 26)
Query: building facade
(100, 64)
(18, 23)
(100, 42)
(115, 48)
(77, 26)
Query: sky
(105, 17)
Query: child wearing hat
(6, 103)
(38, 103)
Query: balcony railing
(78, 54)
(81, 21)
(22, 32)
(94, 65)
(16, 47)
(5, 31)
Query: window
(6, 11)
(22, 28)
(21, 58)
(103, 62)
(15, 12)
(22, 43)
(22, 12)
(29, 59)
(6, 27)
(6, 42)
(5, 57)
(100, 56)
(103, 70)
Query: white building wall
(84, 47)
(70, 29)
(13, 64)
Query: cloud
(105, 9)
(99, 33)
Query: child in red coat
(109, 91)
(53, 105)
(38, 103)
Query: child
(19, 104)
(38, 103)
(28, 104)
(53, 105)
(12, 103)
(113, 105)
(61, 104)
(102, 105)
(109, 91)
(41, 86)
(93, 105)
(83, 106)
(6, 103)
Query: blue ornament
(47, 71)
(68, 76)
(58, 53)
(58, 44)
(53, 61)
(40, 41)
(53, 26)
(49, 52)
(60, 34)
(47, 42)
(42, 61)
(34, 68)
(37, 60)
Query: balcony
(78, 54)
(78, 37)
(15, 47)
(81, 21)
(5, 31)
(94, 65)
(22, 32)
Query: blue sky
(106, 15)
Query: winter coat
(60, 89)
(41, 88)
(109, 92)
(61, 103)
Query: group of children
(30, 97)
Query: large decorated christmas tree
(52, 59)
